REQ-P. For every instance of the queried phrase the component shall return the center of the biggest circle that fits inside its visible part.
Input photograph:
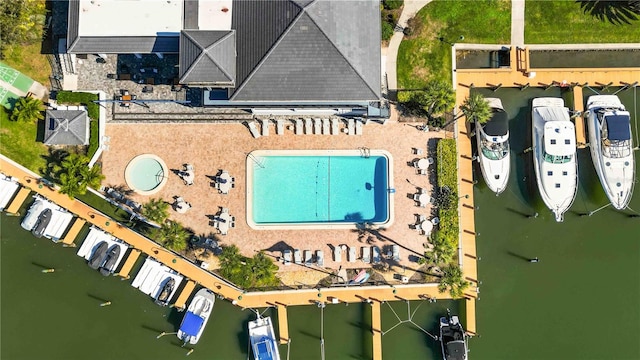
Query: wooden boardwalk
(128, 264)
(18, 200)
(283, 324)
(72, 234)
(376, 330)
(184, 295)
(581, 134)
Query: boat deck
(18, 200)
(72, 234)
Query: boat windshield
(494, 151)
(557, 159)
(616, 148)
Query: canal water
(579, 302)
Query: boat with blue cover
(263, 341)
(196, 317)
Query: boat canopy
(498, 125)
(456, 350)
(618, 127)
(191, 324)
(263, 349)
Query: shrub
(81, 98)
(257, 271)
(93, 138)
(387, 31)
(392, 4)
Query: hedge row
(81, 98)
(448, 229)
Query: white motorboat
(611, 147)
(554, 154)
(197, 315)
(492, 139)
(453, 338)
(263, 341)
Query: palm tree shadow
(615, 12)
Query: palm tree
(171, 235)
(156, 210)
(74, 163)
(27, 109)
(263, 270)
(452, 280)
(443, 252)
(92, 176)
(70, 184)
(437, 98)
(231, 266)
(476, 108)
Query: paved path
(410, 9)
(517, 22)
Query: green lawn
(104, 206)
(18, 142)
(29, 61)
(422, 56)
(563, 22)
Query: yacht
(493, 147)
(611, 147)
(263, 341)
(453, 338)
(554, 154)
(196, 317)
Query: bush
(93, 139)
(392, 4)
(81, 98)
(387, 31)
(258, 271)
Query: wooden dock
(73, 232)
(18, 200)
(283, 324)
(128, 265)
(376, 330)
(184, 295)
(581, 134)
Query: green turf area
(7, 98)
(422, 56)
(18, 142)
(14, 78)
(564, 22)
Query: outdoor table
(427, 227)
(182, 207)
(423, 164)
(224, 182)
(224, 221)
(188, 177)
(424, 198)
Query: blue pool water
(320, 189)
(145, 174)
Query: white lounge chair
(298, 127)
(352, 254)
(252, 127)
(320, 257)
(335, 127)
(287, 257)
(358, 127)
(307, 257)
(317, 126)
(308, 126)
(265, 127)
(351, 127)
(376, 255)
(279, 127)
(297, 256)
(396, 252)
(337, 254)
(366, 254)
(325, 126)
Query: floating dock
(283, 324)
(73, 232)
(581, 135)
(18, 200)
(128, 264)
(184, 295)
(376, 329)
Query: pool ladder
(255, 160)
(365, 152)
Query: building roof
(307, 50)
(66, 127)
(208, 57)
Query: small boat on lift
(453, 338)
(110, 260)
(165, 294)
(493, 147)
(554, 154)
(197, 315)
(43, 221)
(611, 147)
(98, 256)
(263, 341)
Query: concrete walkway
(517, 22)
(410, 9)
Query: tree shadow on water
(615, 12)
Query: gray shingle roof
(321, 52)
(66, 127)
(208, 57)
(124, 44)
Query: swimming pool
(318, 189)
(146, 174)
